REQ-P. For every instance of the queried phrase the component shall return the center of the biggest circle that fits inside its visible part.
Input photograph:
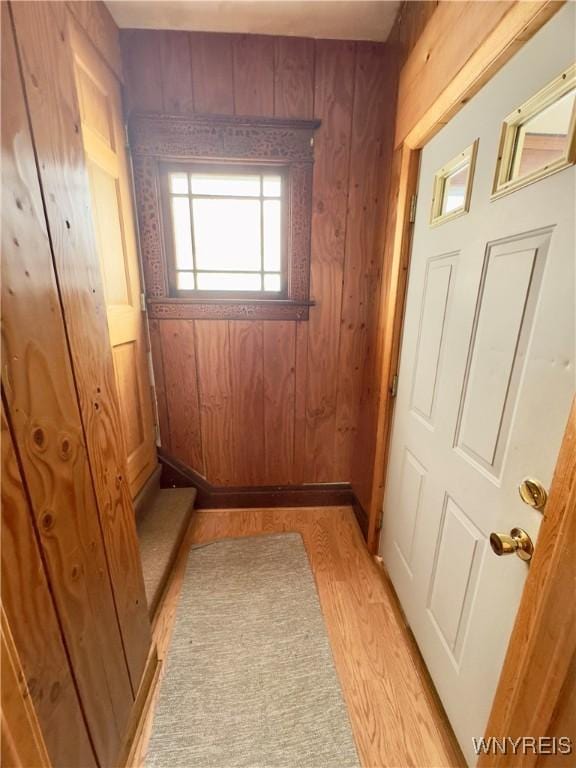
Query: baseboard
(140, 708)
(361, 517)
(175, 474)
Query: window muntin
(226, 230)
(453, 187)
(538, 138)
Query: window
(453, 187)
(224, 212)
(227, 233)
(538, 138)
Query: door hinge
(394, 386)
(412, 217)
(143, 302)
(126, 136)
(380, 519)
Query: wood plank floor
(396, 717)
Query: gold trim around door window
(558, 143)
(441, 206)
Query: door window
(538, 137)
(453, 187)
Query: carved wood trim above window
(156, 141)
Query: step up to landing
(161, 526)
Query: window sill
(227, 309)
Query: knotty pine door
(486, 382)
(100, 102)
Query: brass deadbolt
(517, 542)
(533, 493)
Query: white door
(486, 381)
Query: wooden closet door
(100, 102)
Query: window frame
(512, 124)
(158, 141)
(188, 167)
(466, 157)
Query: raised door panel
(506, 308)
(102, 134)
(411, 486)
(431, 334)
(457, 562)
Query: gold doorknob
(533, 493)
(518, 541)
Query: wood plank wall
(73, 513)
(270, 402)
(34, 626)
(410, 22)
(42, 38)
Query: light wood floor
(395, 715)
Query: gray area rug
(249, 679)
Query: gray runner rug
(249, 679)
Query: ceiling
(352, 20)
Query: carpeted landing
(249, 678)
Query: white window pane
(227, 234)
(455, 189)
(182, 235)
(543, 139)
(272, 283)
(222, 184)
(228, 281)
(272, 235)
(272, 186)
(185, 281)
(179, 183)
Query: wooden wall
(72, 584)
(409, 25)
(270, 402)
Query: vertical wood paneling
(410, 21)
(294, 97)
(300, 384)
(176, 73)
(41, 397)
(279, 388)
(372, 98)
(160, 383)
(254, 75)
(142, 65)
(362, 464)
(247, 384)
(33, 622)
(181, 381)
(212, 73)
(21, 740)
(300, 78)
(437, 56)
(333, 102)
(294, 77)
(47, 67)
(215, 389)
